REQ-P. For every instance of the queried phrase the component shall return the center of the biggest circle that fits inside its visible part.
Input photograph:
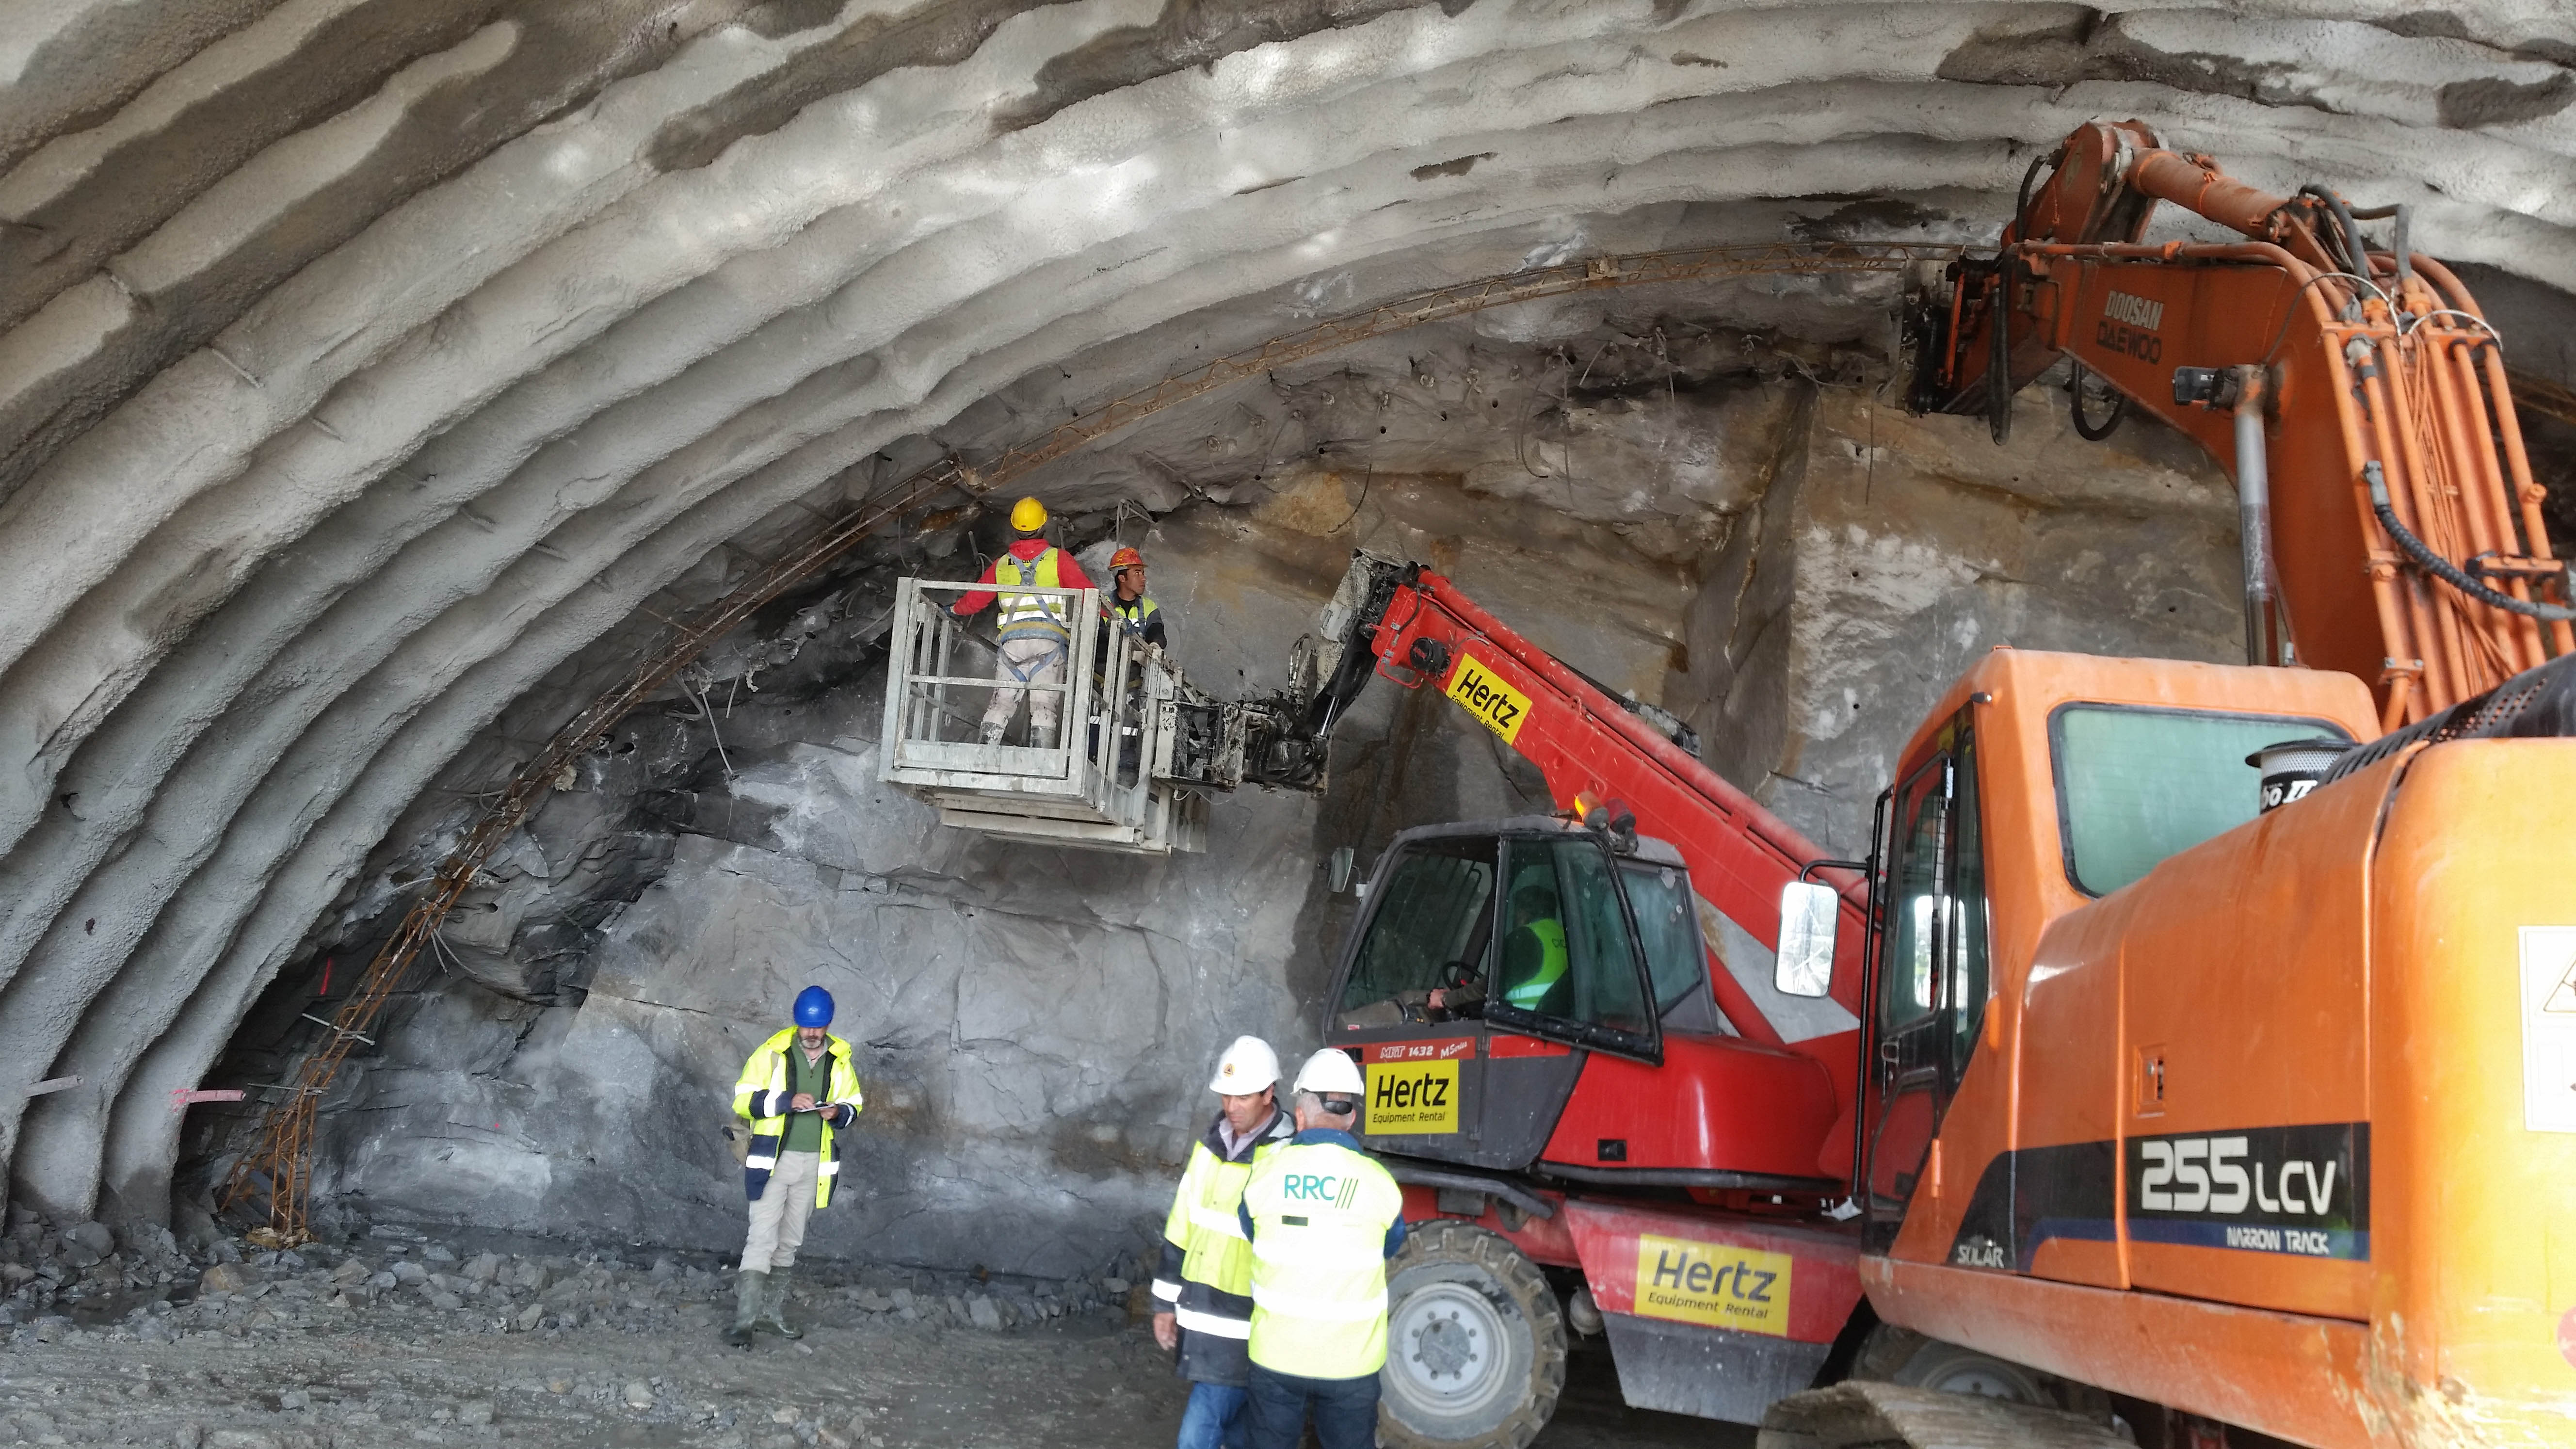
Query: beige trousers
(778, 1216)
(1023, 662)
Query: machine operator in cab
(1534, 958)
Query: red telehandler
(2101, 1086)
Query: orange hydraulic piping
(2464, 416)
(2169, 176)
(2527, 494)
(2440, 681)
(2418, 633)
(2244, 251)
(2438, 522)
(2399, 671)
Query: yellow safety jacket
(1031, 616)
(1206, 1277)
(1551, 966)
(761, 1099)
(1323, 1218)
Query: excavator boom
(2391, 526)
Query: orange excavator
(2196, 1050)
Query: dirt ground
(414, 1342)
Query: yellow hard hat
(1028, 515)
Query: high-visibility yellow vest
(1211, 1293)
(1320, 1213)
(1027, 616)
(1551, 965)
(1134, 612)
(761, 1098)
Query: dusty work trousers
(778, 1215)
(1024, 662)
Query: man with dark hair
(1203, 1292)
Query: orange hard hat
(1126, 558)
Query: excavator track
(1861, 1414)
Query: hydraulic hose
(2348, 234)
(2442, 568)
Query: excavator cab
(1512, 984)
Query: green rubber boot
(774, 1316)
(749, 1290)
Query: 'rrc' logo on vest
(1718, 1284)
(1498, 705)
(1321, 1187)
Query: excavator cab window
(2135, 784)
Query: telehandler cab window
(1435, 910)
(2135, 785)
(1566, 950)
(1668, 925)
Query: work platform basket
(1136, 746)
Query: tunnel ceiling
(361, 361)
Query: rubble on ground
(209, 1345)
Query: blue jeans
(1214, 1419)
(1345, 1410)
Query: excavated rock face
(375, 375)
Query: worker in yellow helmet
(1323, 1217)
(1035, 629)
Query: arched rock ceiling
(362, 360)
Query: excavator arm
(2390, 524)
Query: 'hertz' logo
(1720, 1285)
(1501, 707)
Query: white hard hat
(1331, 1072)
(1247, 1066)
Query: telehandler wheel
(1475, 1346)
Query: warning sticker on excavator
(1406, 1098)
(1717, 1284)
(2549, 1028)
(1500, 706)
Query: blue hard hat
(813, 1007)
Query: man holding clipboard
(796, 1089)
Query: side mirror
(1338, 873)
(1804, 965)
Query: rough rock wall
(1897, 549)
(1035, 1024)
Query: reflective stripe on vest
(1214, 1324)
(1026, 614)
(1551, 966)
(1320, 1215)
(1134, 611)
(1203, 1223)
(764, 1085)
